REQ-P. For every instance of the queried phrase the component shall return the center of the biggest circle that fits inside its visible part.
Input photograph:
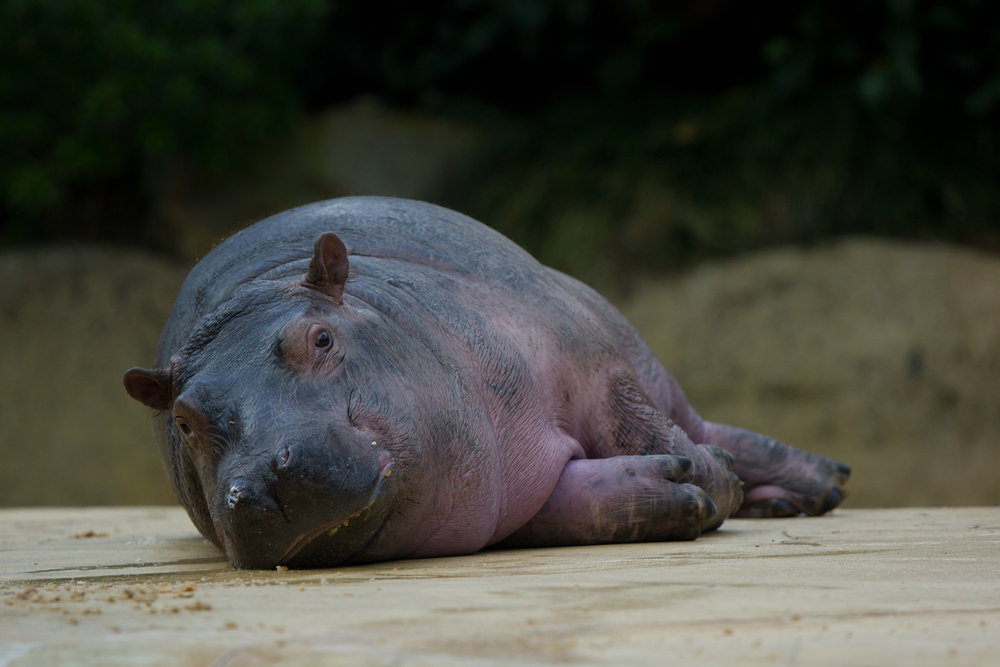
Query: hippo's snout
(303, 499)
(242, 499)
(237, 493)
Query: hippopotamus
(371, 378)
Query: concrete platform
(860, 587)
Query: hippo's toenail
(710, 508)
(772, 508)
(831, 500)
(783, 508)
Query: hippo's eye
(320, 343)
(183, 426)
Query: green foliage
(93, 88)
(525, 53)
(750, 121)
(942, 52)
(606, 190)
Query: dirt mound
(883, 355)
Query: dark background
(796, 203)
(874, 117)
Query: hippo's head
(278, 445)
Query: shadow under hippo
(369, 378)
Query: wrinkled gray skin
(367, 379)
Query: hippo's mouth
(330, 528)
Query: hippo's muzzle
(313, 501)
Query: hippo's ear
(149, 387)
(328, 268)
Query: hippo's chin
(324, 545)
(337, 540)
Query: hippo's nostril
(236, 494)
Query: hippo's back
(280, 247)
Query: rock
(883, 355)
(73, 320)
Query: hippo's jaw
(328, 532)
(317, 515)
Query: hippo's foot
(621, 499)
(781, 481)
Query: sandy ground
(859, 587)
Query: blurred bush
(604, 191)
(520, 53)
(654, 131)
(90, 90)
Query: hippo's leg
(628, 424)
(779, 480)
(620, 499)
